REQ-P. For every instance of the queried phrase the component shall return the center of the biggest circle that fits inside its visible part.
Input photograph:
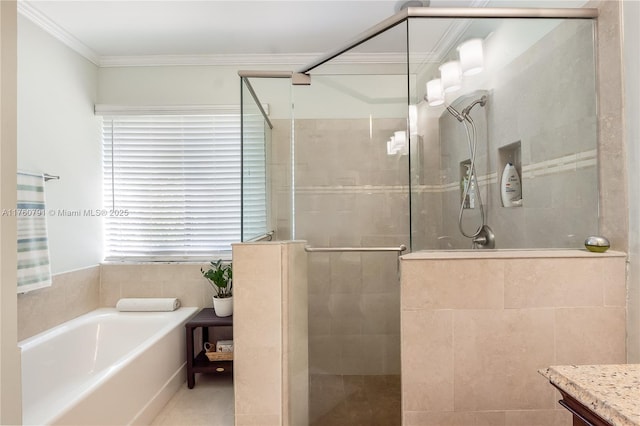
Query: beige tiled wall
(270, 334)
(476, 327)
(70, 295)
(280, 174)
(75, 293)
(546, 100)
(295, 318)
(614, 221)
(181, 280)
(349, 192)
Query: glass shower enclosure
(365, 161)
(351, 192)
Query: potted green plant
(220, 277)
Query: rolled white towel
(148, 304)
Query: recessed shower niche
(510, 174)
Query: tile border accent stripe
(563, 164)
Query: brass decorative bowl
(597, 244)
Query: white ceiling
(138, 28)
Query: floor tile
(210, 403)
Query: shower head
(464, 115)
(482, 101)
(456, 114)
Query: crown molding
(450, 38)
(212, 59)
(121, 110)
(297, 59)
(27, 10)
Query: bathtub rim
(86, 389)
(29, 342)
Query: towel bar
(308, 249)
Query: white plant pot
(223, 307)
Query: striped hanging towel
(34, 270)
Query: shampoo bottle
(510, 188)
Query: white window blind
(172, 184)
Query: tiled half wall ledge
(477, 325)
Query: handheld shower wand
(456, 114)
(483, 236)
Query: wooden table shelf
(197, 362)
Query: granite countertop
(611, 391)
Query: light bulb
(451, 76)
(413, 119)
(471, 57)
(435, 95)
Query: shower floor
(353, 400)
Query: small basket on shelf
(219, 356)
(222, 351)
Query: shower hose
(472, 143)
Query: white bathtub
(105, 367)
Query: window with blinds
(172, 185)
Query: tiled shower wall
(349, 192)
(478, 325)
(544, 100)
(280, 179)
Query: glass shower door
(351, 190)
(256, 141)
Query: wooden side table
(197, 361)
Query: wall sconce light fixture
(471, 56)
(451, 76)
(451, 72)
(435, 94)
(398, 143)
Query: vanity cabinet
(598, 395)
(582, 416)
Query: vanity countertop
(611, 391)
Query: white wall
(59, 134)
(10, 387)
(345, 96)
(169, 85)
(631, 40)
(184, 85)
